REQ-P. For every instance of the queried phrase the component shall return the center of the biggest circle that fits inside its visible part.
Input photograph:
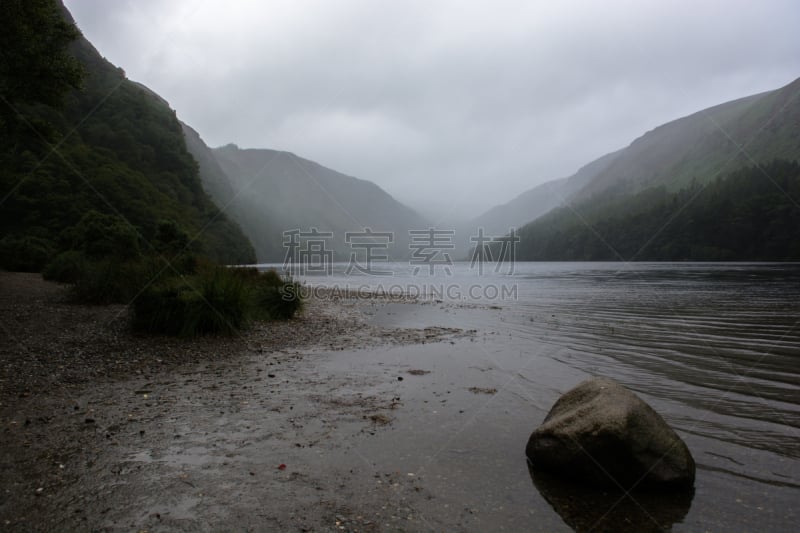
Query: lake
(714, 348)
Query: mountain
(751, 214)
(112, 148)
(538, 200)
(757, 128)
(631, 208)
(747, 131)
(275, 192)
(215, 181)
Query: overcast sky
(452, 107)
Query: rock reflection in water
(585, 508)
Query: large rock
(603, 433)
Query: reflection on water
(714, 348)
(592, 509)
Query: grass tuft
(216, 300)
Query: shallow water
(714, 348)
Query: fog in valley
(452, 108)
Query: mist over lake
(399, 266)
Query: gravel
(80, 394)
(49, 345)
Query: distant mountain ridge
(539, 200)
(700, 146)
(129, 150)
(215, 181)
(750, 214)
(270, 192)
(714, 141)
(629, 209)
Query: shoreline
(80, 394)
(49, 342)
(372, 420)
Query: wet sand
(362, 415)
(107, 430)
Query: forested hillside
(688, 152)
(752, 214)
(92, 144)
(703, 145)
(539, 200)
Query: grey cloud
(434, 99)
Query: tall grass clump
(185, 295)
(223, 305)
(216, 300)
(276, 298)
(171, 288)
(161, 308)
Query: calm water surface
(715, 348)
